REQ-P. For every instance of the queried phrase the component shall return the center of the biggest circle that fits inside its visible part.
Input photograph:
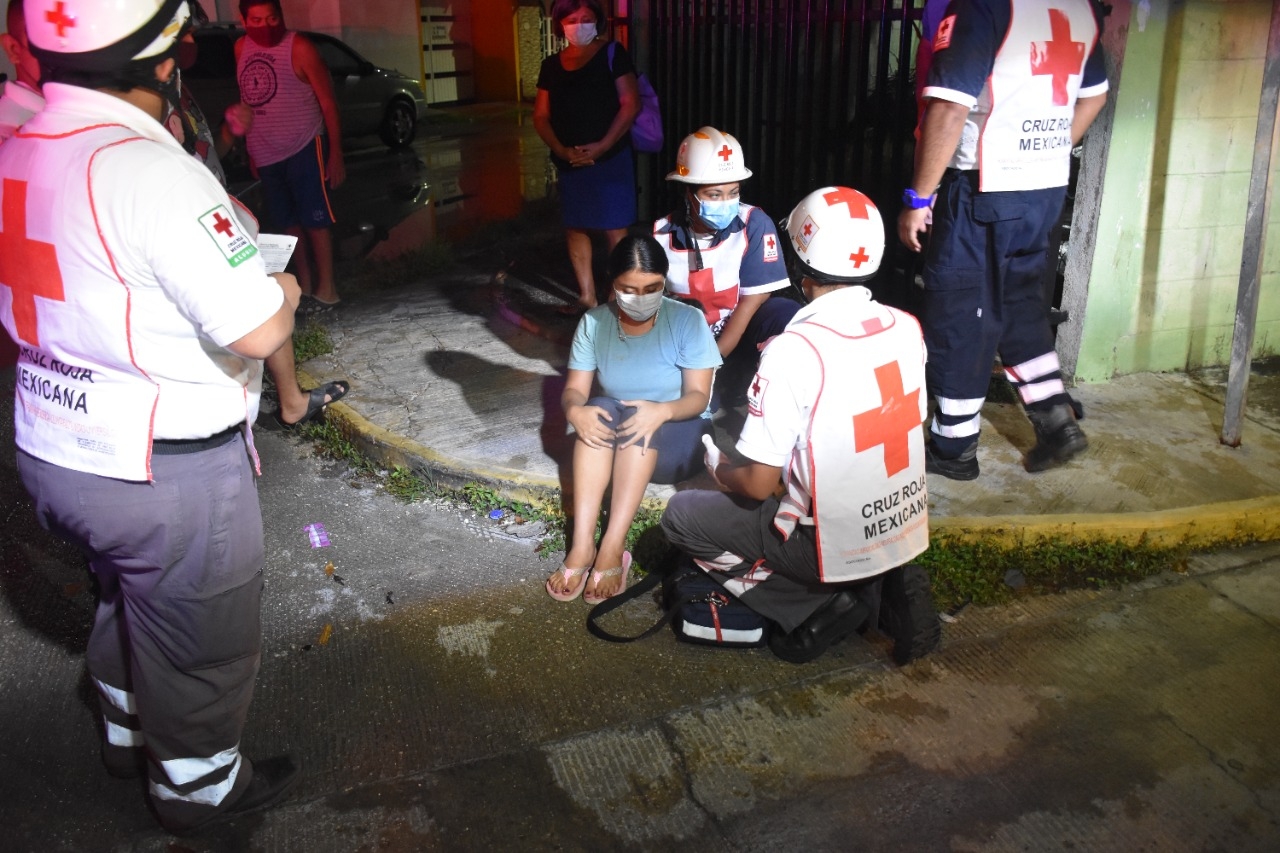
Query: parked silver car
(370, 99)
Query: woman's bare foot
(609, 575)
(560, 585)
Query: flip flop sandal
(598, 575)
(335, 391)
(569, 575)
(309, 305)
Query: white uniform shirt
(124, 274)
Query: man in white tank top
(295, 143)
(835, 415)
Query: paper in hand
(276, 249)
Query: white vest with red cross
(857, 474)
(107, 361)
(1025, 141)
(736, 262)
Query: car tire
(399, 124)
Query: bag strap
(651, 580)
(612, 45)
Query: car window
(341, 62)
(216, 57)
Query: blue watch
(915, 202)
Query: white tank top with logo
(286, 113)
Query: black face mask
(266, 36)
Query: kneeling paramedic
(143, 310)
(835, 414)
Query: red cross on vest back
(860, 257)
(1059, 58)
(891, 423)
(59, 18)
(725, 152)
(843, 195)
(28, 267)
(702, 287)
(221, 225)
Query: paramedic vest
(864, 449)
(717, 285)
(286, 114)
(83, 401)
(1029, 100)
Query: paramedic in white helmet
(725, 256)
(142, 311)
(831, 555)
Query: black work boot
(907, 614)
(1058, 438)
(963, 467)
(845, 614)
(272, 779)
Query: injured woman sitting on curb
(653, 359)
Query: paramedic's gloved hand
(712, 457)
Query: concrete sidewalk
(460, 378)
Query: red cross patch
(770, 248)
(1058, 58)
(755, 396)
(808, 230)
(942, 39)
(891, 422)
(225, 231)
(29, 268)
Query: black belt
(180, 446)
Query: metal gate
(817, 91)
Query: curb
(1207, 525)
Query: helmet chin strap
(691, 236)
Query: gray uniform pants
(177, 636)
(716, 527)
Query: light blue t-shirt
(644, 367)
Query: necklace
(623, 336)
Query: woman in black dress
(587, 101)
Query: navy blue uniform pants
(984, 294)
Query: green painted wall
(1162, 290)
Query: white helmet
(837, 234)
(103, 35)
(708, 156)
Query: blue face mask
(718, 214)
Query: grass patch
(311, 339)
(985, 573)
(962, 572)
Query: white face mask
(580, 35)
(639, 306)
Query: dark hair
(15, 18)
(562, 9)
(637, 253)
(245, 5)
